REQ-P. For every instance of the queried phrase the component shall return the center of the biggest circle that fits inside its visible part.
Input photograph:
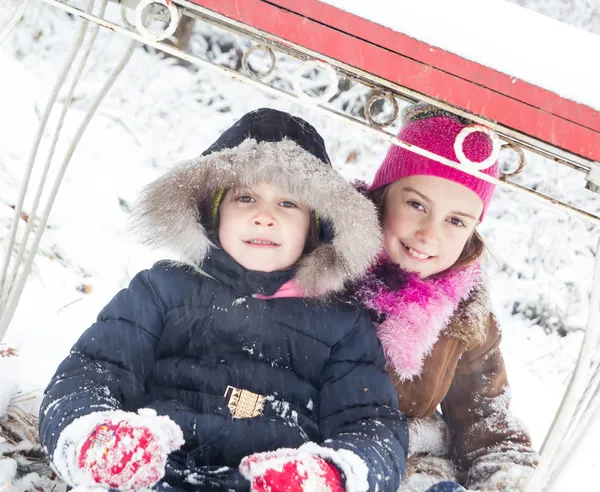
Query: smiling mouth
(261, 243)
(415, 254)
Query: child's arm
(109, 364)
(489, 441)
(359, 407)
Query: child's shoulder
(346, 308)
(177, 269)
(348, 325)
(347, 302)
(172, 279)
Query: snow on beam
(521, 108)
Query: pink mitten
(290, 470)
(118, 449)
(119, 454)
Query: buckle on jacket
(244, 404)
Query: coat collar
(223, 268)
(411, 313)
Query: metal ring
(376, 97)
(332, 88)
(514, 147)
(460, 153)
(168, 31)
(254, 74)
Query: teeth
(255, 241)
(417, 255)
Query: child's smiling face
(427, 222)
(263, 228)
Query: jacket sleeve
(359, 407)
(108, 366)
(487, 438)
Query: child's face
(263, 228)
(427, 222)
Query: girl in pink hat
(431, 305)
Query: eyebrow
(462, 214)
(243, 189)
(407, 188)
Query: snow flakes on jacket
(177, 338)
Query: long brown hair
(474, 247)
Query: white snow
(353, 467)
(508, 38)
(8, 468)
(513, 477)
(159, 113)
(428, 436)
(8, 390)
(282, 408)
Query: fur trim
(429, 435)
(169, 211)
(413, 311)
(423, 472)
(469, 322)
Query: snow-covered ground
(160, 112)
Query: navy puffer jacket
(180, 335)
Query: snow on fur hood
(265, 145)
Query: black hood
(276, 147)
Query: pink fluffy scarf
(412, 312)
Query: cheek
(226, 226)
(223, 235)
(394, 229)
(454, 246)
(395, 225)
(300, 232)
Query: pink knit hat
(435, 130)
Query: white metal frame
(12, 281)
(581, 401)
(13, 20)
(509, 136)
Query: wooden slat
(445, 61)
(444, 76)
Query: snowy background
(161, 111)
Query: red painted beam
(431, 71)
(445, 61)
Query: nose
(264, 219)
(428, 233)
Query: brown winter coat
(465, 374)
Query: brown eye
(457, 222)
(288, 204)
(416, 205)
(245, 199)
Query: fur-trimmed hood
(265, 145)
